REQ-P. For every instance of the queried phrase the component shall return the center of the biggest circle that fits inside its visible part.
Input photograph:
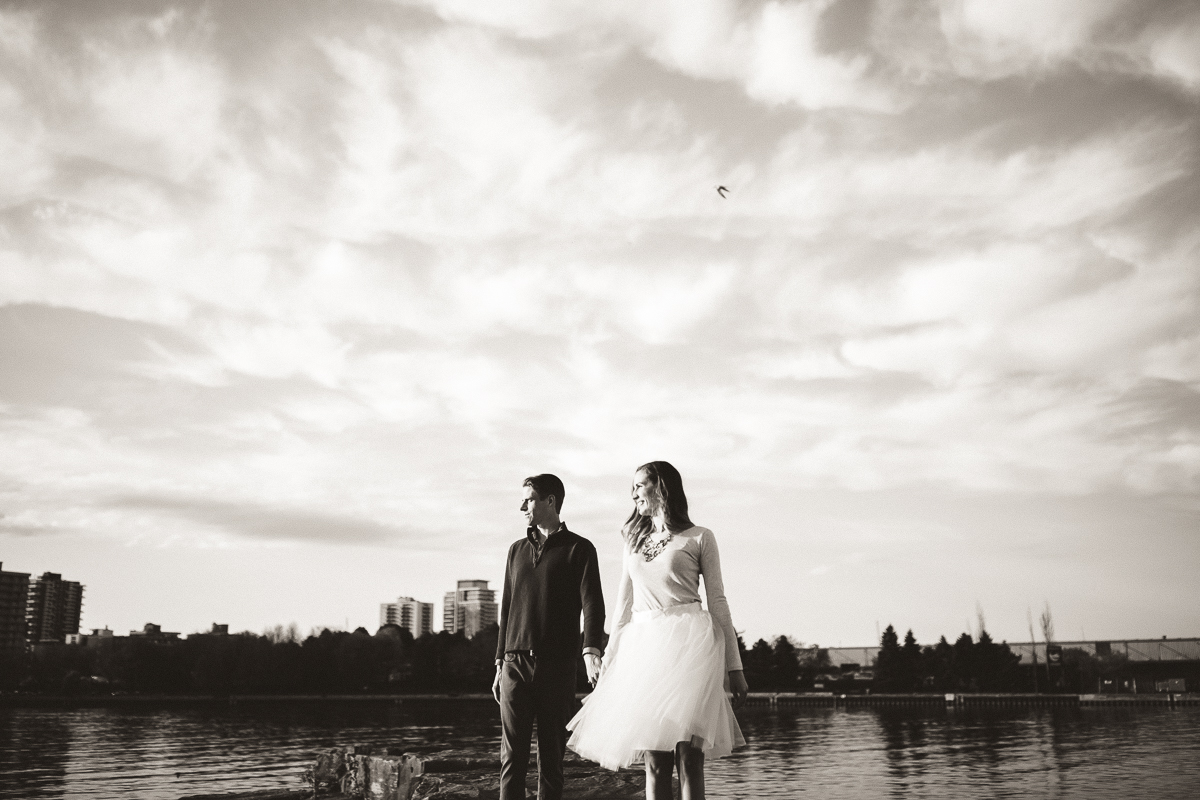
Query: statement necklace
(652, 549)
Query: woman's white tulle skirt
(663, 683)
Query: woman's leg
(659, 766)
(691, 771)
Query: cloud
(772, 51)
(380, 259)
(1175, 52)
(262, 522)
(1024, 34)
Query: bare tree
(979, 618)
(1047, 620)
(278, 634)
(1033, 647)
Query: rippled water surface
(169, 752)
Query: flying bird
(721, 190)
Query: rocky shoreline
(364, 773)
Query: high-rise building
(470, 608)
(408, 613)
(53, 609)
(14, 596)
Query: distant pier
(972, 699)
(773, 699)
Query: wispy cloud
(257, 521)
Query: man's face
(537, 511)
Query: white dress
(666, 665)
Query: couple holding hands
(660, 689)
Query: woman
(661, 696)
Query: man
(551, 577)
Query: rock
(328, 771)
(390, 777)
(362, 772)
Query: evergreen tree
(910, 664)
(995, 666)
(962, 665)
(937, 661)
(785, 666)
(888, 662)
(756, 666)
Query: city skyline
(417, 616)
(293, 298)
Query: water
(165, 753)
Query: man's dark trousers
(542, 689)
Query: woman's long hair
(666, 492)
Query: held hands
(738, 686)
(594, 663)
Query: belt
(535, 654)
(669, 611)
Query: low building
(97, 638)
(218, 629)
(1135, 650)
(154, 633)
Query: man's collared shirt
(547, 584)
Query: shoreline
(771, 699)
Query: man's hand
(593, 664)
(739, 687)
(496, 683)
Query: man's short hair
(546, 485)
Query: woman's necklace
(653, 548)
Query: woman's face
(643, 494)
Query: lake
(166, 752)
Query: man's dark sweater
(545, 589)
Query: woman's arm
(623, 610)
(718, 606)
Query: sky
(293, 296)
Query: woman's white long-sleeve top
(672, 578)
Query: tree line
(278, 662)
(968, 665)
(392, 661)
(781, 666)
(980, 664)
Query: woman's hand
(737, 685)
